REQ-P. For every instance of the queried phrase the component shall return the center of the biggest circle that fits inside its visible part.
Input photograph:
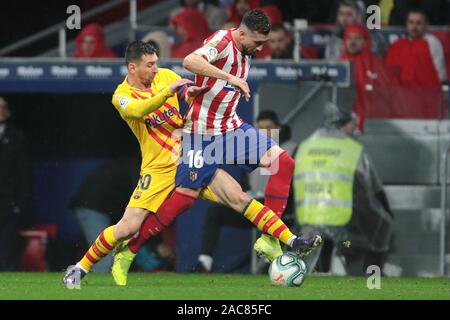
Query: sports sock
(277, 189)
(267, 221)
(103, 245)
(172, 207)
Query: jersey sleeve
(133, 108)
(213, 48)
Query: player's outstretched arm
(198, 65)
(136, 109)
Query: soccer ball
(287, 270)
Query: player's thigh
(253, 148)
(194, 193)
(229, 191)
(153, 189)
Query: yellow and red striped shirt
(160, 146)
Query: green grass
(165, 286)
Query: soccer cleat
(268, 247)
(304, 246)
(123, 258)
(73, 276)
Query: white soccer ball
(287, 270)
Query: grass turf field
(173, 286)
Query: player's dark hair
(155, 45)
(136, 49)
(256, 20)
(268, 115)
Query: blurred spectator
(274, 14)
(160, 41)
(420, 56)
(436, 10)
(101, 198)
(215, 15)
(419, 59)
(349, 13)
(237, 10)
(90, 43)
(280, 42)
(15, 182)
(444, 37)
(338, 194)
(191, 26)
(254, 183)
(315, 11)
(229, 25)
(375, 83)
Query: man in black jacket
(15, 182)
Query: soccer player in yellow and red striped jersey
(147, 100)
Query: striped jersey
(214, 110)
(160, 146)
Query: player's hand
(242, 85)
(194, 91)
(177, 84)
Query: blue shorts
(203, 154)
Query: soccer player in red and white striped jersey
(214, 111)
(222, 65)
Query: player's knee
(126, 228)
(239, 199)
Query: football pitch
(173, 286)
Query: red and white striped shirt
(214, 110)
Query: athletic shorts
(203, 154)
(153, 188)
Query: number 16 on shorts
(195, 159)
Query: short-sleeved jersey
(214, 110)
(160, 148)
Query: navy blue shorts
(203, 154)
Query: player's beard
(247, 52)
(148, 81)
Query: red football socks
(277, 189)
(171, 208)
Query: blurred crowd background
(68, 164)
